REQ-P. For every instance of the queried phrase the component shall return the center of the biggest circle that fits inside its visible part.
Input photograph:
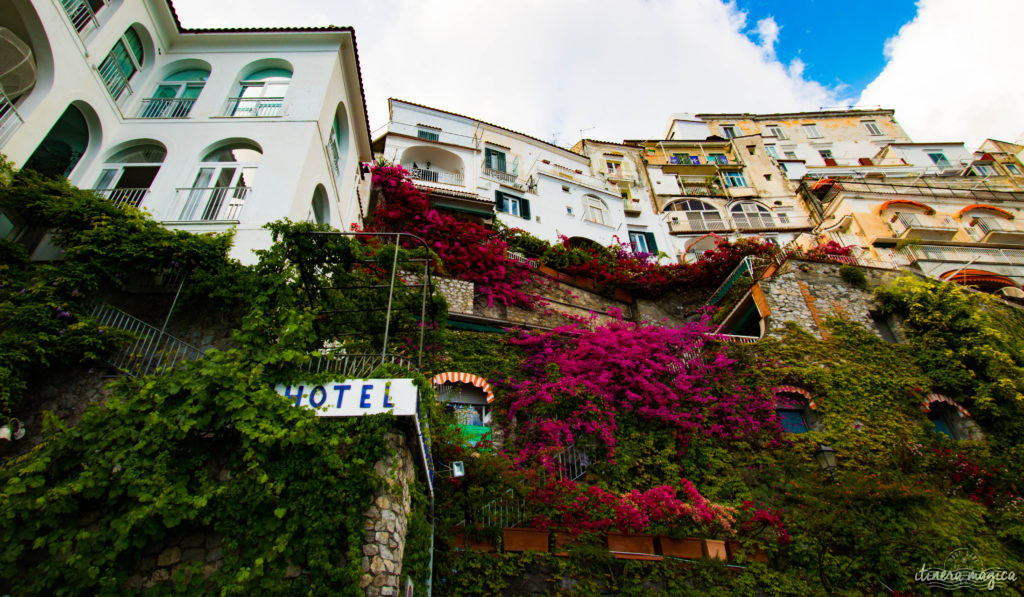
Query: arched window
(122, 62)
(320, 209)
(175, 95)
(62, 148)
(261, 94)
(949, 418)
(220, 187)
(469, 397)
(337, 145)
(795, 409)
(748, 214)
(127, 174)
(700, 216)
(595, 210)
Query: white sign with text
(354, 397)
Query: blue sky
(841, 44)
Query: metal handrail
(80, 13)
(153, 350)
(355, 366)
(10, 120)
(131, 197)
(254, 107)
(166, 107)
(211, 204)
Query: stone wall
(199, 551)
(387, 520)
(562, 304)
(808, 293)
(458, 293)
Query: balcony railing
(919, 226)
(166, 107)
(520, 259)
(211, 204)
(677, 226)
(114, 78)
(254, 107)
(506, 177)
(133, 197)
(10, 120)
(995, 230)
(701, 190)
(768, 223)
(453, 178)
(81, 15)
(922, 188)
(964, 254)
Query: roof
(776, 115)
(552, 145)
(924, 144)
(327, 29)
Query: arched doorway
(62, 148)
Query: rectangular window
(428, 135)
(512, 205)
(811, 131)
(494, 159)
(718, 158)
(984, 170)
(1013, 169)
(638, 241)
(624, 191)
(770, 150)
(872, 127)
(728, 131)
(735, 179)
(826, 154)
(776, 131)
(939, 159)
(791, 155)
(679, 158)
(614, 168)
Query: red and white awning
(461, 377)
(926, 404)
(798, 391)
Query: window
(783, 167)
(792, 420)
(771, 151)
(127, 175)
(319, 208)
(175, 95)
(512, 205)
(790, 155)
(565, 188)
(939, 159)
(220, 187)
(944, 418)
(811, 130)
(751, 149)
(777, 132)
(728, 131)
(1013, 169)
(735, 179)
(984, 170)
(718, 158)
(825, 154)
(700, 216)
(261, 94)
(494, 159)
(642, 242)
(795, 409)
(594, 210)
(337, 143)
(872, 127)
(428, 135)
(122, 62)
(614, 167)
(624, 191)
(680, 158)
(751, 215)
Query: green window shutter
(652, 246)
(524, 208)
(135, 45)
(499, 202)
(500, 165)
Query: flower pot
(526, 540)
(715, 549)
(564, 540)
(461, 540)
(636, 547)
(749, 552)
(688, 547)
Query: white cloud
(952, 73)
(550, 68)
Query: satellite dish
(17, 66)
(1012, 292)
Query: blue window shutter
(524, 208)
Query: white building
(206, 129)
(474, 167)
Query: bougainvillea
(577, 382)
(467, 250)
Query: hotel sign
(355, 397)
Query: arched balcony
(433, 164)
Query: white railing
(768, 223)
(211, 204)
(81, 15)
(520, 259)
(254, 107)
(452, 178)
(904, 222)
(166, 107)
(964, 254)
(681, 225)
(503, 176)
(131, 197)
(114, 78)
(152, 351)
(333, 155)
(10, 120)
(736, 339)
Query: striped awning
(798, 391)
(926, 404)
(461, 377)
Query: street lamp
(826, 457)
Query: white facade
(252, 125)
(472, 166)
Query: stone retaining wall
(387, 520)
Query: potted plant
(631, 545)
(525, 539)
(715, 549)
(680, 547)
